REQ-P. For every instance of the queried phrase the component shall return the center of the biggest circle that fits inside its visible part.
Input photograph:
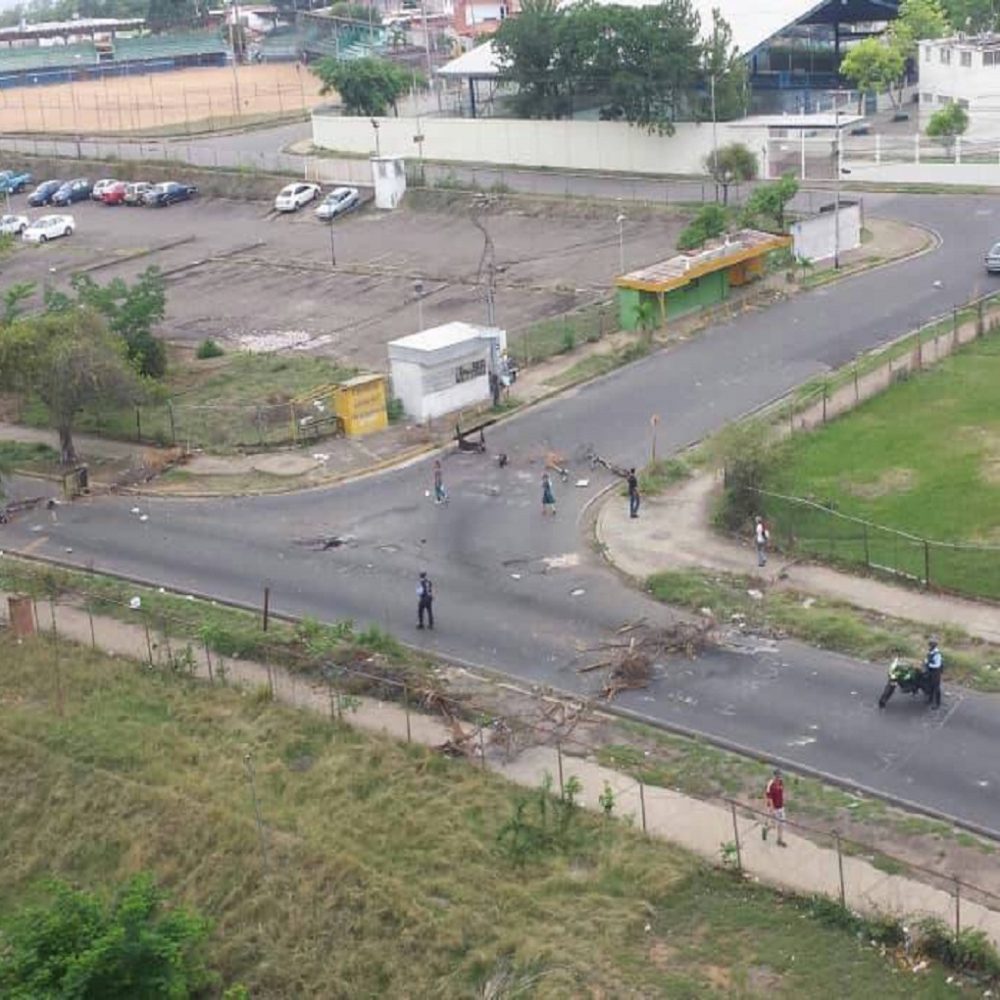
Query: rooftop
(714, 256)
(988, 40)
(438, 337)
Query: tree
(950, 121)
(131, 311)
(19, 292)
(367, 87)
(367, 13)
(131, 947)
(972, 16)
(164, 14)
(527, 52)
(767, 204)
(732, 164)
(917, 20)
(709, 223)
(872, 65)
(69, 359)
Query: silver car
(337, 202)
(993, 259)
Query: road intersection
(525, 595)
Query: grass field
(385, 875)
(921, 458)
(221, 403)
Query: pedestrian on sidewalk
(440, 493)
(425, 600)
(761, 537)
(548, 497)
(933, 664)
(633, 494)
(774, 796)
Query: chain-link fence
(355, 676)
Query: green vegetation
(207, 349)
(828, 624)
(547, 337)
(356, 12)
(660, 475)
(920, 458)
(638, 65)
(731, 164)
(77, 944)
(872, 66)
(710, 222)
(380, 869)
(31, 455)
(766, 206)
(947, 123)
(368, 87)
(600, 364)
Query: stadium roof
(753, 22)
(79, 26)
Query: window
(945, 55)
(466, 373)
(991, 58)
(965, 58)
(926, 98)
(927, 53)
(943, 100)
(963, 103)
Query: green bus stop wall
(628, 307)
(708, 290)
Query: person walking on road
(761, 537)
(425, 600)
(548, 497)
(934, 664)
(774, 796)
(440, 493)
(633, 494)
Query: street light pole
(715, 134)
(378, 145)
(232, 38)
(836, 184)
(333, 248)
(418, 290)
(621, 243)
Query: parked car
(75, 190)
(13, 225)
(292, 197)
(48, 227)
(42, 194)
(11, 181)
(135, 192)
(97, 192)
(114, 194)
(161, 195)
(993, 259)
(337, 202)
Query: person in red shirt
(774, 794)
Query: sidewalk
(697, 826)
(673, 533)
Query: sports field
(206, 97)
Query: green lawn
(238, 400)
(922, 458)
(385, 875)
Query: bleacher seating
(146, 47)
(29, 57)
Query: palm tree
(647, 317)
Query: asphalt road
(525, 595)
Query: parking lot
(243, 275)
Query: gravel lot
(236, 270)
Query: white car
(48, 227)
(101, 186)
(338, 201)
(293, 196)
(13, 225)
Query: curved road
(524, 595)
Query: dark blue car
(75, 190)
(42, 194)
(169, 193)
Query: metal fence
(332, 679)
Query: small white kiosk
(389, 180)
(445, 368)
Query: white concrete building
(441, 370)
(965, 69)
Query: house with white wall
(964, 69)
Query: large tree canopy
(69, 359)
(366, 86)
(645, 65)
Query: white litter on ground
(135, 603)
(270, 341)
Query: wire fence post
(857, 388)
(927, 563)
(954, 328)
(958, 907)
(482, 747)
(406, 709)
(642, 803)
(208, 661)
(864, 531)
(52, 611)
(90, 616)
(149, 645)
(736, 838)
(267, 606)
(840, 870)
(825, 390)
(559, 763)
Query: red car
(114, 194)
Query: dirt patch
(897, 480)
(763, 980)
(153, 100)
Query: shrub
(709, 223)
(747, 453)
(568, 341)
(969, 951)
(395, 410)
(208, 348)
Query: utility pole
(715, 135)
(621, 243)
(836, 184)
(487, 261)
(232, 38)
(427, 51)
(333, 248)
(378, 145)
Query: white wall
(430, 389)
(815, 238)
(977, 85)
(561, 145)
